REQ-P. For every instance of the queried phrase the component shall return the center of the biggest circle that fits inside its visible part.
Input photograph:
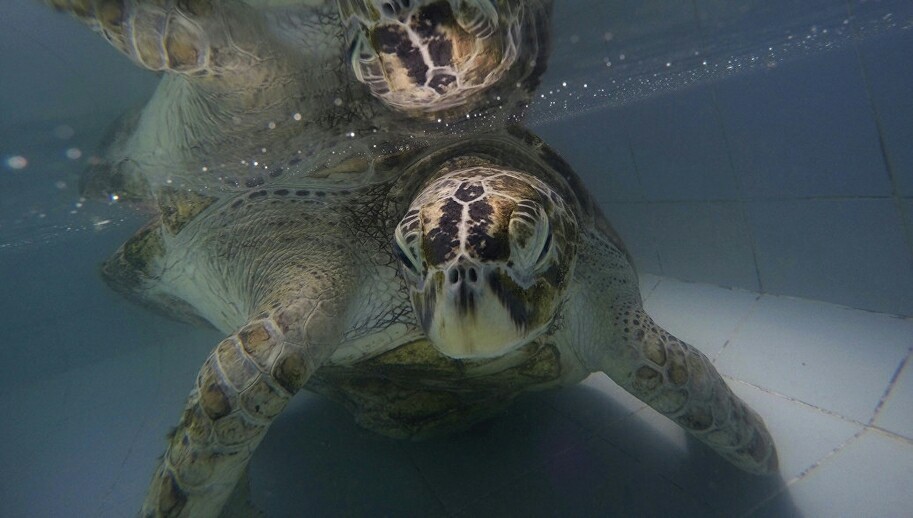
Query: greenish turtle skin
(252, 89)
(423, 302)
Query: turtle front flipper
(241, 388)
(680, 382)
(222, 42)
(188, 36)
(613, 334)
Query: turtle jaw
(472, 311)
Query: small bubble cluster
(625, 75)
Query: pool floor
(834, 385)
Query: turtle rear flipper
(115, 175)
(616, 336)
(135, 270)
(119, 181)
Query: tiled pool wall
(793, 179)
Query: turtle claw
(477, 17)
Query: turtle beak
(464, 316)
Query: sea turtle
(423, 302)
(421, 282)
(247, 82)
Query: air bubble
(17, 162)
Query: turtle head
(431, 55)
(488, 255)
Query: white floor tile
(870, 477)
(897, 413)
(832, 357)
(85, 442)
(648, 283)
(703, 316)
(803, 435)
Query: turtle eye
(406, 259)
(531, 235)
(546, 250)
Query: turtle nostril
(453, 276)
(473, 274)
(388, 9)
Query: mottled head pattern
(431, 55)
(488, 254)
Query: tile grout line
(865, 428)
(831, 413)
(738, 328)
(736, 178)
(428, 486)
(741, 203)
(896, 197)
(796, 400)
(735, 174)
(892, 435)
(652, 290)
(802, 475)
(798, 298)
(641, 195)
(890, 387)
(824, 459)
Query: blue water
(766, 146)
